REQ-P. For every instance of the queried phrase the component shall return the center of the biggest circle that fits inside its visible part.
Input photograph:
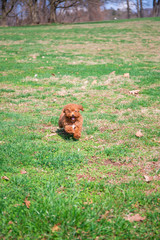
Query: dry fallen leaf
(126, 75)
(5, 178)
(134, 92)
(10, 222)
(34, 56)
(88, 202)
(55, 228)
(50, 135)
(17, 205)
(23, 171)
(105, 215)
(27, 203)
(112, 73)
(148, 178)
(94, 82)
(139, 134)
(158, 141)
(134, 218)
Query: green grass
(80, 189)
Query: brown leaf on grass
(23, 171)
(94, 82)
(139, 134)
(148, 178)
(55, 228)
(5, 178)
(158, 141)
(27, 203)
(50, 135)
(134, 92)
(17, 205)
(88, 202)
(34, 56)
(126, 75)
(105, 215)
(112, 72)
(134, 218)
(53, 74)
(10, 222)
(88, 138)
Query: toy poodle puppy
(71, 119)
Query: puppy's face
(72, 111)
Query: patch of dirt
(46, 127)
(44, 42)
(4, 73)
(113, 126)
(107, 162)
(153, 190)
(87, 48)
(8, 43)
(86, 176)
(34, 55)
(149, 167)
(90, 62)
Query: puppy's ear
(65, 109)
(80, 107)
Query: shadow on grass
(64, 135)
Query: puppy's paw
(73, 126)
(77, 135)
(69, 129)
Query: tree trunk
(141, 8)
(52, 18)
(138, 12)
(128, 9)
(156, 8)
(35, 15)
(4, 15)
(94, 10)
(44, 11)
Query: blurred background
(22, 12)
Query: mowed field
(106, 185)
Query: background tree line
(19, 12)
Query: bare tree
(141, 8)
(33, 6)
(6, 7)
(94, 9)
(128, 9)
(59, 4)
(30, 10)
(156, 8)
(44, 10)
(137, 7)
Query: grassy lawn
(106, 185)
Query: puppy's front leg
(77, 132)
(69, 129)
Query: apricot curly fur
(71, 119)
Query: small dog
(71, 119)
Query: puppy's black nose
(72, 115)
